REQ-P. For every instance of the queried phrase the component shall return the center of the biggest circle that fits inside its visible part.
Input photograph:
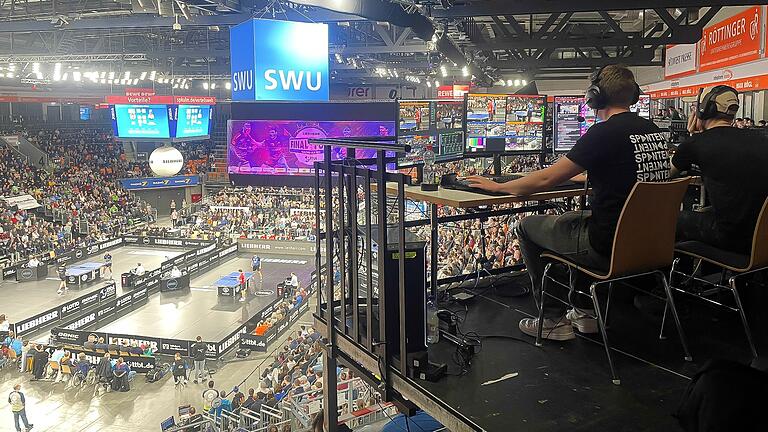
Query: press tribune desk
(468, 200)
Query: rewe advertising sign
(279, 60)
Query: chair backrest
(645, 234)
(759, 256)
(65, 369)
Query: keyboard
(505, 178)
(450, 181)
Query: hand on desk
(484, 183)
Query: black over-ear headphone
(707, 108)
(596, 97)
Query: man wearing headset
(620, 150)
(733, 163)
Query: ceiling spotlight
(76, 76)
(525, 82)
(437, 83)
(143, 76)
(9, 75)
(464, 71)
(111, 75)
(213, 86)
(509, 83)
(228, 85)
(11, 67)
(127, 75)
(152, 75)
(429, 83)
(517, 82)
(443, 71)
(103, 81)
(35, 67)
(205, 85)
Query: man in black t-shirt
(734, 167)
(617, 152)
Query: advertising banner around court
(304, 248)
(163, 241)
(732, 41)
(173, 346)
(54, 315)
(77, 254)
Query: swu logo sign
(242, 81)
(292, 80)
(279, 60)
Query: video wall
(271, 139)
(161, 122)
(282, 147)
(436, 123)
(518, 119)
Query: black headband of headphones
(596, 97)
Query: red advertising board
(456, 91)
(732, 41)
(758, 82)
(161, 100)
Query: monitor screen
(572, 117)
(167, 423)
(518, 119)
(281, 147)
(193, 121)
(643, 106)
(415, 116)
(141, 121)
(85, 113)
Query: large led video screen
(141, 121)
(193, 121)
(518, 119)
(281, 147)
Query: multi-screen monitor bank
(161, 122)
(273, 139)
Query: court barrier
(208, 254)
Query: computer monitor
(439, 123)
(167, 424)
(518, 119)
(571, 117)
(495, 145)
(643, 106)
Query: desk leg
(433, 251)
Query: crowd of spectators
(82, 199)
(293, 300)
(262, 212)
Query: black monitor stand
(419, 174)
(497, 164)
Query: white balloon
(166, 161)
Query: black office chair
(737, 264)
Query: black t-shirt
(617, 153)
(734, 166)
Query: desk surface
(464, 199)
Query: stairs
(219, 138)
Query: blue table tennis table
(84, 273)
(229, 285)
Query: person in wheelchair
(80, 374)
(122, 376)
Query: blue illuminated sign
(141, 121)
(193, 121)
(159, 182)
(279, 60)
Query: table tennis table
(81, 274)
(229, 285)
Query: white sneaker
(60, 292)
(582, 320)
(559, 330)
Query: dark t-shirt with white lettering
(617, 153)
(734, 166)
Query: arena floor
(200, 311)
(31, 298)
